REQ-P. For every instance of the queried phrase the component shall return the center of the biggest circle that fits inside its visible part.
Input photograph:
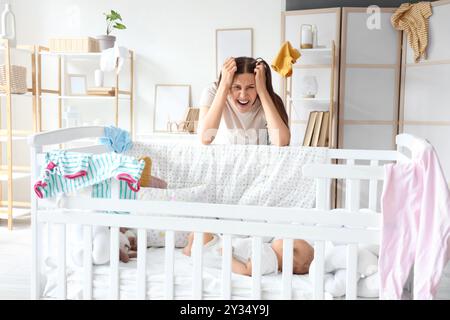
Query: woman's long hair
(248, 65)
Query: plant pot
(105, 42)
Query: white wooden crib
(347, 225)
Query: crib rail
(65, 135)
(228, 228)
(353, 175)
(351, 225)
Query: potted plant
(113, 21)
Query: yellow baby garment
(285, 58)
(413, 19)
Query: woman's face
(243, 91)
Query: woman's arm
(278, 132)
(209, 118)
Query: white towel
(113, 57)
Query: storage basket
(18, 79)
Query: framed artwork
(233, 43)
(171, 102)
(76, 84)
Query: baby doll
(128, 245)
(271, 256)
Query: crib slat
(226, 266)
(322, 201)
(197, 248)
(62, 283)
(373, 189)
(319, 268)
(288, 255)
(36, 234)
(141, 264)
(352, 263)
(256, 267)
(114, 263)
(349, 162)
(87, 262)
(169, 264)
(353, 195)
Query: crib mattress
(183, 269)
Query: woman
(242, 107)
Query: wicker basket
(18, 79)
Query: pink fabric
(130, 181)
(51, 165)
(416, 226)
(37, 187)
(78, 174)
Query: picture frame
(235, 42)
(171, 102)
(76, 84)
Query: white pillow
(369, 287)
(156, 238)
(336, 258)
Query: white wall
(174, 40)
(174, 43)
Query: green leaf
(115, 16)
(119, 26)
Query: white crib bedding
(241, 285)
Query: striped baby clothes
(413, 19)
(67, 172)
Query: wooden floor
(15, 263)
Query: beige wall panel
(377, 137)
(370, 94)
(377, 46)
(427, 91)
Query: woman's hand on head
(228, 70)
(260, 78)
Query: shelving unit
(60, 92)
(9, 172)
(317, 58)
(322, 61)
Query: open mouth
(243, 103)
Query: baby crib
(349, 225)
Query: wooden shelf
(17, 135)
(87, 97)
(16, 175)
(76, 54)
(16, 212)
(310, 100)
(168, 136)
(28, 94)
(317, 50)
